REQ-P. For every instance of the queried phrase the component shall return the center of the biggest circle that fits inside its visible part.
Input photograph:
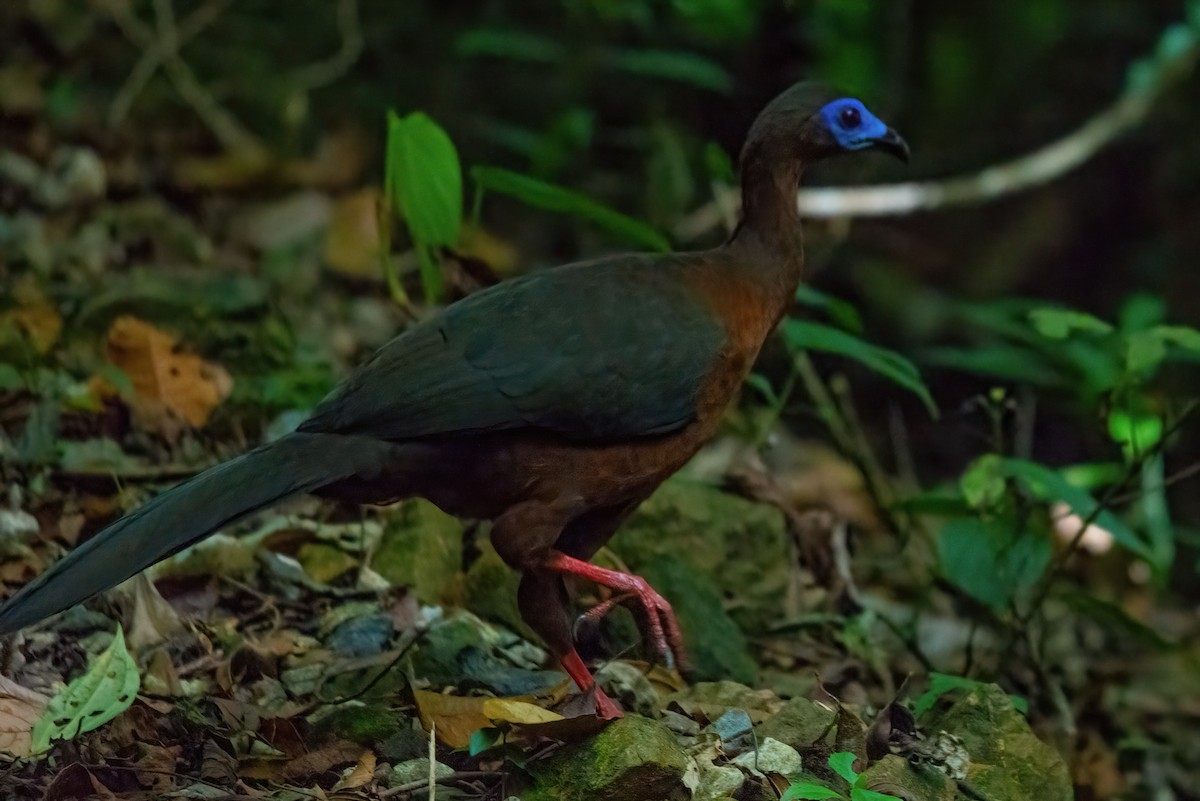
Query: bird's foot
(605, 707)
(661, 626)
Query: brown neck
(769, 233)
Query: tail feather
(190, 512)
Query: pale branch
(1177, 55)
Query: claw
(661, 627)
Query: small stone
(771, 756)
(415, 770)
(799, 723)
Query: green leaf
(842, 764)
(808, 791)
(673, 65)
(983, 485)
(1135, 433)
(942, 683)
(841, 312)
(939, 685)
(1061, 323)
(106, 690)
(510, 44)
(482, 740)
(863, 794)
(425, 178)
(761, 384)
(1184, 337)
(1048, 485)
(803, 335)
(549, 197)
(990, 560)
(1144, 351)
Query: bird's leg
(661, 625)
(542, 601)
(574, 667)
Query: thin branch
(1046, 164)
(326, 71)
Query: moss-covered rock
(894, 776)
(634, 759)
(1008, 761)
(799, 723)
(741, 546)
(716, 647)
(421, 548)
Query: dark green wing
(607, 349)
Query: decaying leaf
(107, 689)
(20, 708)
(163, 377)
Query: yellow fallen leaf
(164, 377)
(360, 774)
(41, 323)
(20, 708)
(352, 241)
(458, 718)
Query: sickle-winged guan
(552, 404)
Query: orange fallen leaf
(20, 708)
(163, 377)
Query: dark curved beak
(893, 144)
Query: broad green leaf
(804, 335)
(863, 794)
(1061, 323)
(425, 178)
(1144, 351)
(983, 485)
(808, 791)
(549, 197)
(939, 503)
(1135, 433)
(106, 690)
(1184, 337)
(1048, 485)
(673, 65)
(842, 764)
(991, 560)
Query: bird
(551, 404)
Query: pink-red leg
(662, 627)
(573, 665)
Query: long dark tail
(190, 512)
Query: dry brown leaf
(322, 760)
(458, 718)
(163, 377)
(360, 774)
(20, 708)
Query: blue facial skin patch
(852, 125)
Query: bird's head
(808, 122)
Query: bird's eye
(850, 117)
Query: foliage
(105, 690)
(842, 763)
